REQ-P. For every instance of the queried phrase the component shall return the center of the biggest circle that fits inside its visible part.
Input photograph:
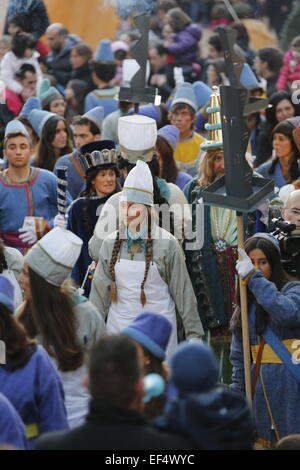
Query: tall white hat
(54, 256)
(137, 137)
(138, 186)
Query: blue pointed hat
(149, 110)
(38, 119)
(185, 94)
(152, 331)
(48, 93)
(15, 126)
(32, 103)
(170, 133)
(248, 79)
(202, 92)
(7, 293)
(104, 51)
(96, 115)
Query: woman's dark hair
(215, 42)
(50, 313)
(22, 21)
(286, 128)
(89, 192)
(278, 276)
(104, 71)
(153, 365)
(80, 89)
(274, 100)
(242, 33)
(20, 42)
(169, 170)
(84, 51)
(46, 157)
(18, 346)
(3, 262)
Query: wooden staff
(244, 313)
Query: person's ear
(282, 212)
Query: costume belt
(12, 239)
(32, 430)
(269, 356)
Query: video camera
(289, 245)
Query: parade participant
(214, 417)
(28, 378)
(55, 138)
(151, 333)
(65, 323)
(99, 163)
(114, 421)
(86, 129)
(25, 191)
(168, 198)
(32, 103)
(167, 139)
(12, 430)
(274, 312)
(103, 71)
(284, 167)
(183, 115)
(142, 266)
(51, 99)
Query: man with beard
(212, 268)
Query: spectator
(81, 56)
(58, 63)
(21, 22)
(280, 108)
(75, 93)
(242, 40)
(184, 47)
(114, 421)
(26, 76)
(267, 64)
(290, 70)
(120, 50)
(22, 51)
(35, 11)
(28, 379)
(103, 72)
(161, 74)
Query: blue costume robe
(104, 97)
(37, 197)
(35, 390)
(12, 431)
(277, 176)
(282, 390)
(76, 225)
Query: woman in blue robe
(101, 182)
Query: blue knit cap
(193, 368)
(170, 134)
(152, 331)
(16, 126)
(202, 92)
(7, 293)
(96, 115)
(267, 236)
(104, 51)
(185, 94)
(149, 110)
(38, 118)
(32, 103)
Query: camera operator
(288, 233)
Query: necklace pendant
(220, 245)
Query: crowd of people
(118, 328)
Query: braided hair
(114, 257)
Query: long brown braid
(149, 244)
(114, 257)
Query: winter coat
(35, 9)
(282, 390)
(58, 63)
(185, 45)
(289, 72)
(109, 428)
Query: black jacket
(84, 73)
(58, 63)
(110, 428)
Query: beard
(218, 174)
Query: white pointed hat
(137, 137)
(138, 186)
(54, 256)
